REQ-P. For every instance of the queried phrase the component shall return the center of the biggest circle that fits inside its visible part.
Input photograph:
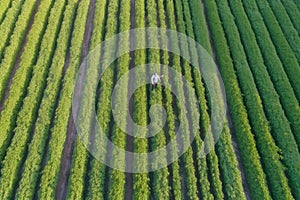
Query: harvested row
(36, 149)
(284, 51)
(227, 159)
(57, 140)
(247, 145)
(27, 115)
(23, 75)
(267, 148)
(7, 27)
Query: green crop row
(293, 13)
(275, 68)
(7, 27)
(97, 172)
(227, 159)
(284, 51)
(36, 149)
(247, 145)
(58, 135)
(271, 102)
(14, 47)
(212, 158)
(27, 115)
(268, 150)
(5, 5)
(23, 74)
(117, 178)
(290, 33)
(159, 182)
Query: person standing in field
(155, 79)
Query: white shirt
(154, 79)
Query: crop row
(267, 148)
(23, 74)
(5, 5)
(16, 40)
(27, 115)
(284, 51)
(36, 149)
(59, 130)
(247, 145)
(97, 172)
(7, 27)
(227, 159)
(293, 13)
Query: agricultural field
(46, 46)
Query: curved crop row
(58, 135)
(227, 159)
(267, 148)
(284, 51)
(36, 149)
(7, 27)
(247, 146)
(28, 113)
(23, 74)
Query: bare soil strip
(130, 139)
(234, 139)
(17, 64)
(66, 160)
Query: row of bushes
(27, 115)
(279, 40)
(230, 174)
(279, 123)
(62, 116)
(267, 148)
(23, 74)
(7, 26)
(36, 148)
(247, 145)
(293, 13)
(5, 5)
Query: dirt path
(66, 160)
(130, 139)
(234, 139)
(17, 64)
